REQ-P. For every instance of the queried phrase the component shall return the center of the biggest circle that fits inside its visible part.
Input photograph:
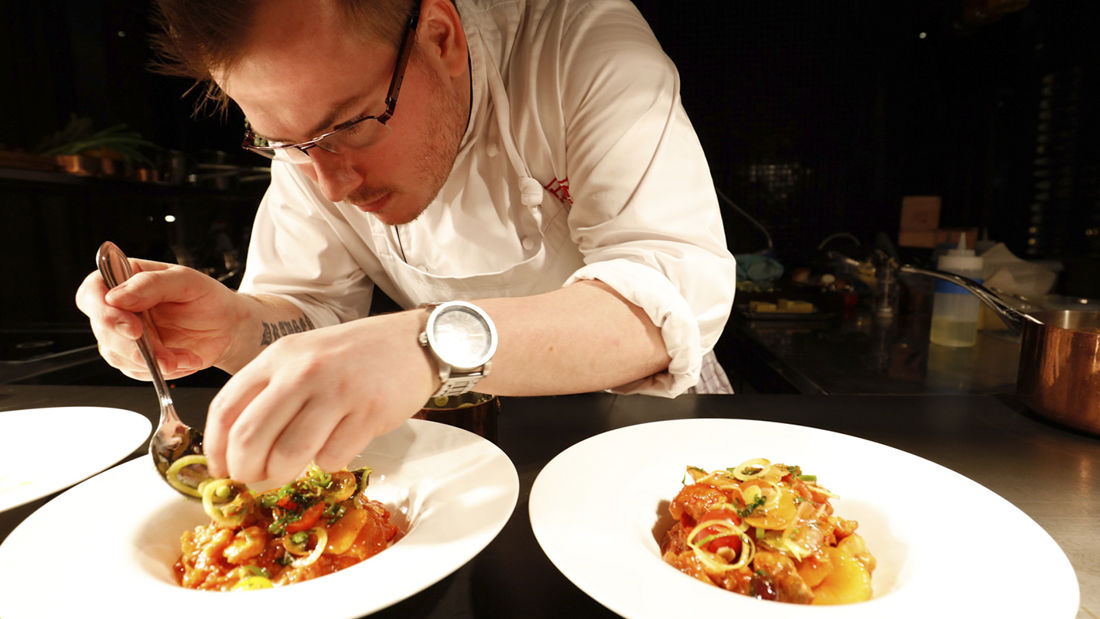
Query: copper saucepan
(1059, 369)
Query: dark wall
(90, 58)
(65, 58)
(817, 117)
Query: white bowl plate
(112, 541)
(944, 544)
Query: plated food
(768, 531)
(316, 525)
(624, 480)
(450, 492)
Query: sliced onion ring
(318, 550)
(713, 561)
(752, 469)
(212, 503)
(173, 472)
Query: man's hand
(196, 318)
(318, 396)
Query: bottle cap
(960, 258)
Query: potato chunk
(855, 546)
(343, 532)
(814, 568)
(849, 581)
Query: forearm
(582, 337)
(263, 319)
(579, 338)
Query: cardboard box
(920, 213)
(917, 238)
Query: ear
(441, 35)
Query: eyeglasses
(351, 135)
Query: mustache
(367, 196)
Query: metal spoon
(173, 439)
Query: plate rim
(138, 429)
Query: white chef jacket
(578, 163)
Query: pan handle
(1013, 318)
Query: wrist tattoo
(276, 330)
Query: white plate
(116, 537)
(43, 450)
(945, 545)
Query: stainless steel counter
(858, 353)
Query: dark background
(817, 118)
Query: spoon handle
(115, 269)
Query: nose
(334, 174)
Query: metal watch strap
(458, 385)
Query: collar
(477, 57)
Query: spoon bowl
(174, 441)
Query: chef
(520, 176)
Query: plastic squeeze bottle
(955, 309)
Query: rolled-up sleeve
(645, 213)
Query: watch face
(462, 338)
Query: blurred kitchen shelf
(59, 180)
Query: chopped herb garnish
(319, 478)
(710, 538)
(334, 512)
(757, 502)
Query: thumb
(151, 284)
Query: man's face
(303, 73)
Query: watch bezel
(483, 319)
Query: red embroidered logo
(560, 188)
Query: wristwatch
(462, 339)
